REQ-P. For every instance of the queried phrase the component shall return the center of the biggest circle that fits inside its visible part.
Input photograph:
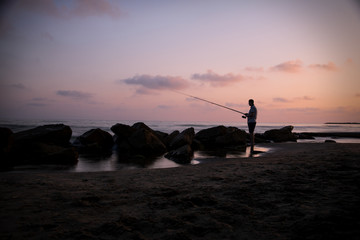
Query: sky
(127, 60)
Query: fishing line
(201, 99)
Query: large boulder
(181, 155)
(42, 153)
(49, 144)
(184, 138)
(232, 137)
(221, 136)
(122, 131)
(138, 139)
(95, 141)
(145, 142)
(281, 135)
(160, 135)
(208, 136)
(58, 134)
(6, 141)
(170, 138)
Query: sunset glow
(123, 60)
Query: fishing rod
(201, 99)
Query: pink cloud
(254, 69)
(78, 8)
(78, 95)
(85, 8)
(46, 7)
(330, 66)
(285, 100)
(306, 98)
(279, 99)
(289, 66)
(147, 83)
(217, 80)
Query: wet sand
(296, 191)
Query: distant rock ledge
(50, 144)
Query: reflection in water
(117, 162)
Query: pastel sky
(123, 60)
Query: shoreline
(298, 191)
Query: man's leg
(251, 133)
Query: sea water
(111, 163)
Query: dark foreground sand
(299, 191)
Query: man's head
(251, 102)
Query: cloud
(148, 83)
(254, 69)
(36, 104)
(306, 98)
(76, 8)
(330, 66)
(166, 107)
(86, 8)
(19, 86)
(74, 94)
(302, 109)
(217, 80)
(283, 100)
(289, 66)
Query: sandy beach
(296, 191)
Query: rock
(181, 155)
(122, 131)
(184, 138)
(281, 135)
(208, 136)
(303, 136)
(6, 141)
(171, 137)
(43, 153)
(58, 134)
(221, 136)
(233, 137)
(162, 136)
(95, 141)
(47, 144)
(145, 142)
(138, 139)
(330, 141)
(259, 138)
(141, 125)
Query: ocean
(111, 163)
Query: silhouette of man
(251, 120)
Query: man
(251, 120)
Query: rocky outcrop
(122, 131)
(232, 137)
(146, 142)
(281, 135)
(48, 144)
(181, 155)
(95, 141)
(221, 136)
(184, 138)
(138, 139)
